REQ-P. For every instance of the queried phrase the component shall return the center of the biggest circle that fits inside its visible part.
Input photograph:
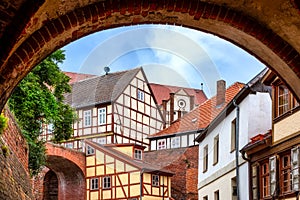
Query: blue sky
(169, 55)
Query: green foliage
(38, 100)
(5, 150)
(3, 123)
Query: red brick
(65, 21)
(94, 13)
(87, 13)
(58, 25)
(73, 19)
(79, 16)
(33, 43)
(45, 34)
(52, 30)
(207, 11)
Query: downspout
(141, 184)
(237, 147)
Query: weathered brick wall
(15, 182)
(183, 162)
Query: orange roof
(162, 92)
(75, 77)
(200, 117)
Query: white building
(217, 143)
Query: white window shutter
(295, 168)
(272, 165)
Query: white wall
(255, 118)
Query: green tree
(38, 100)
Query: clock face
(181, 103)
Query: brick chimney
(221, 89)
(171, 107)
(164, 106)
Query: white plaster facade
(255, 117)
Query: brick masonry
(183, 162)
(40, 34)
(15, 182)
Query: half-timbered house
(119, 172)
(274, 156)
(114, 108)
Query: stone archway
(31, 30)
(50, 186)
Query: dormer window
(138, 154)
(140, 95)
(90, 150)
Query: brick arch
(68, 167)
(244, 24)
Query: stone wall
(15, 182)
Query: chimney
(221, 89)
(179, 114)
(171, 107)
(192, 102)
(164, 107)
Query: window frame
(233, 135)
(283, 170)
(155, 180)
(138, 154)
(90, 150)
(160, 145)
(87, 118)
(216, 150)
(106, 180)
(102, 116)
(205, 158)
(175, 142)
(140, 95)
(264, 175)
(93, 183)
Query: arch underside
(259, 27)
(71, 180)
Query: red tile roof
(75, 77)
(200, 117)
(162, 92)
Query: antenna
(106, 69)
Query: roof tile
(200, 117)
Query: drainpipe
(237, 147)
(141, 184)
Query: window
(265, 179)
(205, 158)
(94, 183)
(233, 135)
(161, 144)
(138, 154)
(283, 100)
(216, 149)
(295, 168)
(216, 194)
(90, 150)
(69, 145)
(285, 173)
(205, 198)
(87, 118)
(140, 95)
(101, 140)
(50, 128)
(272, 166)
(175, 142)
(106, 182)
(254, 182)
(155, 180)
(101, 116)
